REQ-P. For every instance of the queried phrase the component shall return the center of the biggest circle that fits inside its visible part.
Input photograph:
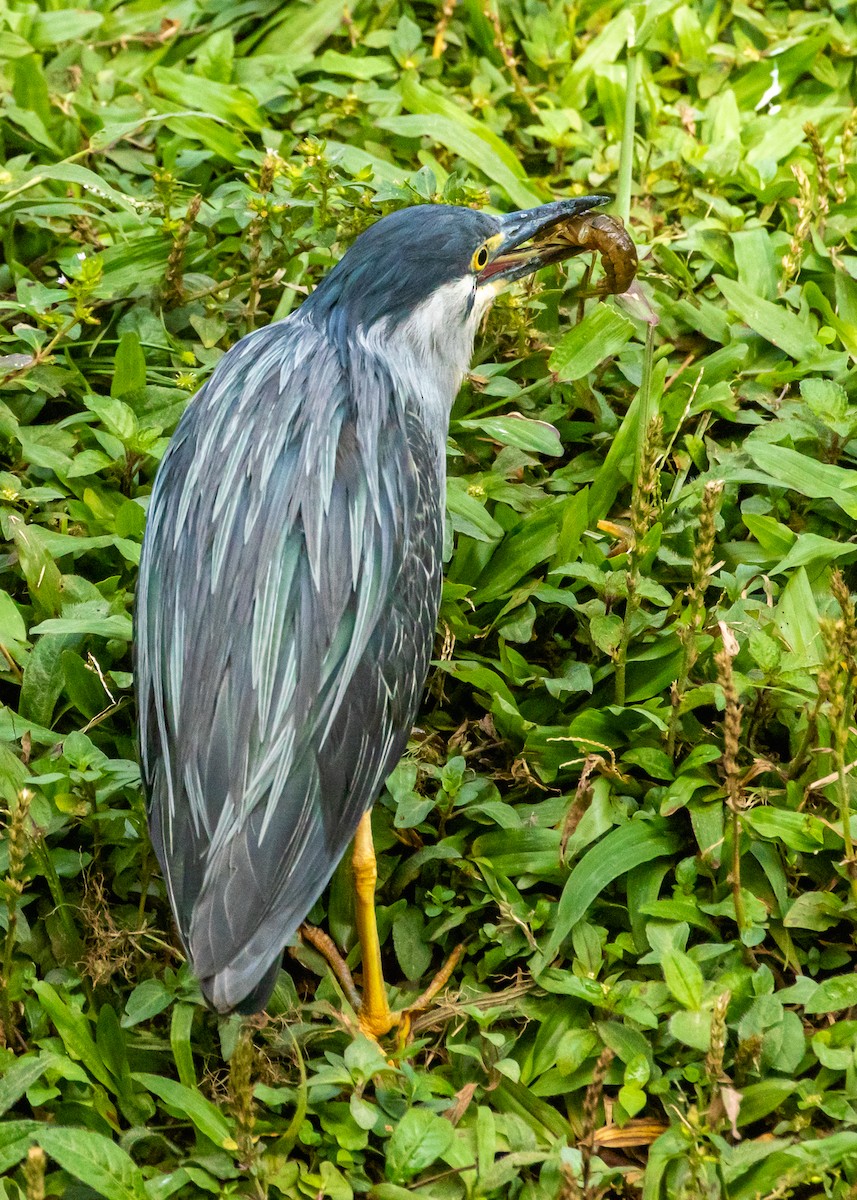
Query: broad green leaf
(190, 1103)
(814, 910)
(147, 1000)
(615, 855)
(821, 481)
(117, 626)
(74, 1029)
(798, 621)
(17, 1077)
(468, 514)
(424, 101)
(221, 100)
(418, 1140)
(13, 629)
(95, 1160)
(517, 430)
(70, 173)
(683, 978)
(773, 322)
(601, 333)
(460, 139)
(129, 366)
(368, 66)
(16, 1137)
(759, 1099)
(298, 29)
(834, 994)
(40, 571)
(413, 952)
(798, 831)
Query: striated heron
(290, 582)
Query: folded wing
(287, 602)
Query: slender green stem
(631, 606)
(626, 150)
(646, 407)
(8, 951)
(845, 810)
(737, 896)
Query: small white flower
(80, 256)
(61, 280)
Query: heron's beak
(530, 239)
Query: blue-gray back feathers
(287, 602)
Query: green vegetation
(631, 791)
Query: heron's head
(428, 273)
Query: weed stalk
(836, 684)
(243, 1106)
(442, 25)
(800, 238)
(696, 612)
(846, 144)
(261, 206)
(34, 1173)
(591, 1103)
(822, 172)
(19, 840)
(173, 289)
(506, 53)
(645, 507)
(733, 713)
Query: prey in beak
(551, 233)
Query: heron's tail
(216, 988)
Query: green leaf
(220, 100)
(601, 333)
(188, 1102)
(798, 472)
(43, 578)
(683, 977)
(798, 831)
(74, 1029)
(147, 1000)
(517, 430)
(299, 29)
(814, 910)
(615, 855)
(117, 626)
(409, 940)
(13, 630)
(759, 1099)
(129, 365)
(116, 416)
(92, 183)
(468, 515)
(506, 165)
(94, 1160)
(773, 322)
(17, 1077)
(833, 994)
(16, 1137)
(417, 1141)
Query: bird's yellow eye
(480, 258)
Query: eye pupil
(481, 257)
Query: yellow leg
(376, 1018)
(374, 1012)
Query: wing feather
(281, 645)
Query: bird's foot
(375, 1017)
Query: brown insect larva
(607, 235)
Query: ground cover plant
(630, 791)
